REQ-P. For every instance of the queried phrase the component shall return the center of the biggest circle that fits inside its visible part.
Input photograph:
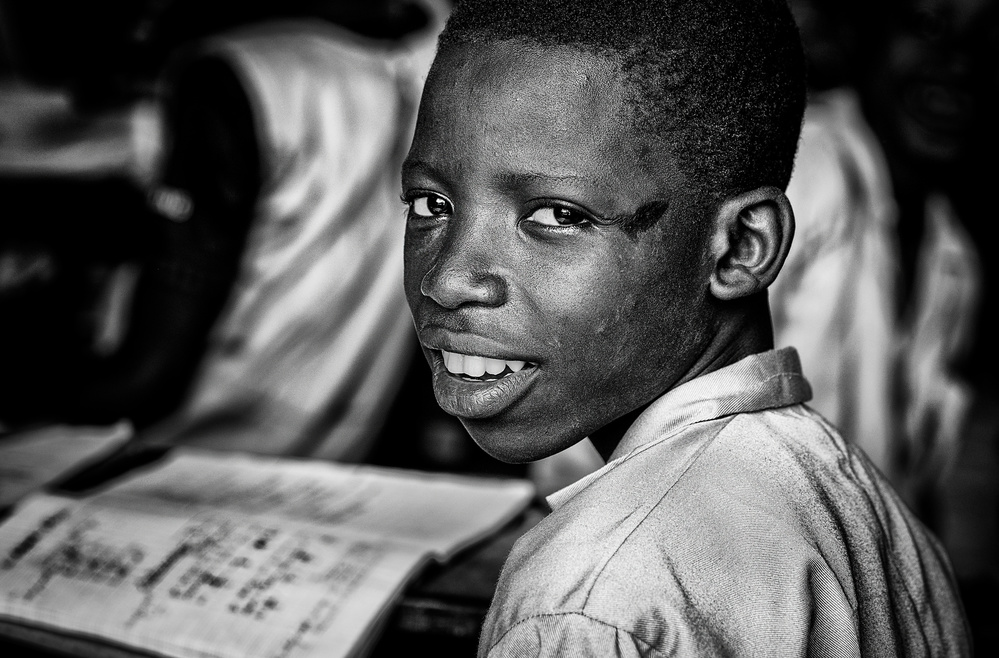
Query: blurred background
(889, 288)
(200, 232)
(182, 240)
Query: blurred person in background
(888, 283)
(882, 289)
(282, 184)
(266, 314)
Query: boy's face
(543, 320)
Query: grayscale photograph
(499, 328)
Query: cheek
(652, 334)
(412, 275)
(600, 330)
(620, 311)
(416, 263)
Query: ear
(752, 235)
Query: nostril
(452, 288)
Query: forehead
(530, 107)
(559, 86)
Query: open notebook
(211, 554)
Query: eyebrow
(420, 167)
(508, 180)
(515, 180)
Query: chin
(515, 446)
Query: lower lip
(474, 400)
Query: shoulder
(668, 561)
(305, 77)
(737, 473)
(840, 183)
(772, 514)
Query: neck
(744, 329)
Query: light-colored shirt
(307, 356)
(731, 520)
(886, 379)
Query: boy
(596, 209)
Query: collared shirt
(730, 520)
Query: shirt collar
(760, 381)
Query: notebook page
(441, 513)
(205, 583)
(209, 554)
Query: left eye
(557, 216)
(430, 205)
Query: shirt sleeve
(567, 634)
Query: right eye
(429, 205)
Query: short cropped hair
(720, 84)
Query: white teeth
(495, 366)
(477, 366)
(455, 362)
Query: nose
(465, 273)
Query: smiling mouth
(475, 387)
(470, 367)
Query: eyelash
(411, 197)
(586, 218)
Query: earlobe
(753, 232)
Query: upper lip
(437, 338)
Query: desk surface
(439, 613)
